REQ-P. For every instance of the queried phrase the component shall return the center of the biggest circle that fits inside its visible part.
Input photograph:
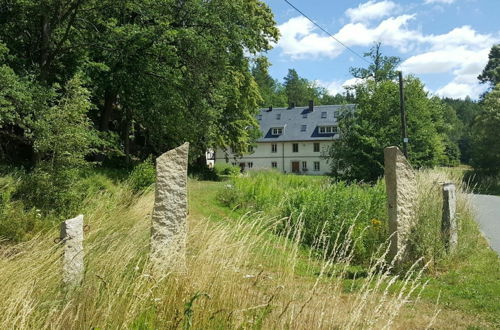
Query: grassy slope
(468, 291)
(253, 278)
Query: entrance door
(295, 167)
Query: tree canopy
(491, 73)
(159, 72)
(486, 135)
(375, 124)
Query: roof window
(303, 128)
(277, 130)
(323, 114)
(327, 129)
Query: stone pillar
(449, 228)
(169, 229)
(72, 238)
(401, 189)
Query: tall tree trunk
(107, 110)
(46, 31)
(126, 134)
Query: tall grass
(328, 208)
(238, 275)
(426, 239)
(323, 206)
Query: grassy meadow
(257, 258)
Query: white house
(293, 140)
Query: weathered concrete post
(401, 189)
(449, 228)
(169, 229)
(72, 238)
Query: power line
(328, 33)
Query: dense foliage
(325, 211)
(375, 124)
(158, 72)
(295, 90)
(486, 135)
(115, 82)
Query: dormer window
(327, 129)
(277, 130)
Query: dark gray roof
(293, 119)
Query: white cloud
(371, 10)
(462, 56)
(458, 90)
(337, 86)
(298, 40)
(391, 32)
(439, 1)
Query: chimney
(270, 109)
(311, 105)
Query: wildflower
(376, 222)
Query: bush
(51, 192)
(142, 176)
(16, 223)
(226, 170)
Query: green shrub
(16, 223)
(52, 192)
(142, 176)
(226, 170)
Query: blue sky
(443, 42)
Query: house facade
(293, 140)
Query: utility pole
(403, 114)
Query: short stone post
(449, 228)
(169, 228)
(401, 189)
(72, 238)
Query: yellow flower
(376, 222)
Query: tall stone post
(449, 227)
(72, 238)
(169, 228)
(401, 189)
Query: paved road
(488, 215)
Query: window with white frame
(316, 166)
(295, 147)
(316, 146)
(250, 164)
(304, 166)
(327, 129)
(250, 149)
(277, 130)
(274, 164)
(274, 147)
